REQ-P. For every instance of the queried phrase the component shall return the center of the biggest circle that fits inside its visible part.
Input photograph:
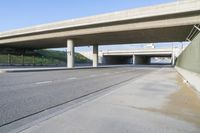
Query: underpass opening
(153, 60)
(142, 60)
(137, 59)
(118, 59)
(160, 60)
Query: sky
(22, 13)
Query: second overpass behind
(139, 56)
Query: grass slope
(43, 57)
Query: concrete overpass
(162, 23)
(137, 56)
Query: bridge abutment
(188, 63)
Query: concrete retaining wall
(188, 63)
(189, 59)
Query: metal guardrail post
(22, 57)
(33, 57)
(9, 59)
(197, 28)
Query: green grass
(3, 59)
(43, 57)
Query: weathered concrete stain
(184, 104)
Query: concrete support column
(70, 53)
(95, 55)
(133, 60)
(173, 59)
(173, 56)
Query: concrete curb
(191, 77)
(1, 71)
(38, 69)
(15, 70)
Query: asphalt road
(27, 93)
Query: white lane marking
(72, 78)
(43, 82)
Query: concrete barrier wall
(188, 63)
(189, 59)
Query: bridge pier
(133, 59)
(173, 58)
(70, 53)
(95, 55)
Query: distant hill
(42, 57)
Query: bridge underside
(167, 34)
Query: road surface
(159, 102)
(26, 94)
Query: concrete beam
(95, 55)
(163, 23)
(70, 53)
(162, 11)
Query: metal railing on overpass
(193, 33)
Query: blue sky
(22, 13)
